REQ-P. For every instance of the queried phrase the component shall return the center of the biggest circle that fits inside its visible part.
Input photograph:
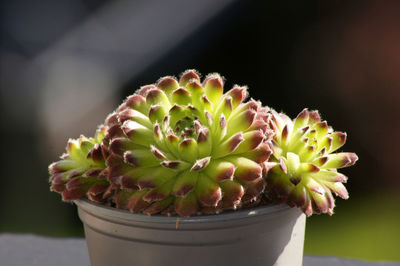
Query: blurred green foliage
(364, 227)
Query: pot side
(267, 235)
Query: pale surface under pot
(32, 250)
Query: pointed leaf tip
(201, 164)
(238, 94)
(208, 192)
(213, 87)
(157, 153)
(171, 164)
(314, 117)
(168, 84)
(187, 76)
(181, 96)
(282, 165)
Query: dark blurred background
(64, 65)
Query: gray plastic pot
(268, 235)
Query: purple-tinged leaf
(246, 170)
(176, 113)
(195, 88)
(70, 195)
(184, 183)
(118, 146)
(103, 174)
(220, 170)
(157, 153)
(298, 196)
(168, 84)
(213, 87)
(158, 206)
(188, 149)
(159, 193)
(253, 189)
(181, 96)
(204, 142)
(338, 140)
(62, 166)
(112, 119)
(301, 120)
(320, 161)
(121, 198)
(232, 193)
(137, 133)
(156, 96)
(136, 202)
(129, 182)
(241, 122)
(140, 158)
(282, 166)
(113, 132)
(74, 173)
(144, 90)
(309, 168)
(97, 189)
(320, 203)
(154, 176)
(186, 206)
(340, 160)
(189, 75)
(339, 189)
(314, 117)
(156, 113)
(285, 135)
(57, 187)
(206, 103)
(258, 125)
(259, 154)
(326, 143)
(58, 178)
(200, 164)
(228, 146)
(131, 114)
(238, 94)
(96, 154)
(252, 140)
(157, 132)
(137, 102)
(175, 165)
(322, 129)
(208, 192)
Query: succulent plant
(82, 170)
(302, 171)
(186, 147)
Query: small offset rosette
(303, 167)
(81, 170)
(186, 147)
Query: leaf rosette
(187, 147)
(303, 166)
(81, 170)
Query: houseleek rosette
(186, 147)
(303, 167)
(81, 170)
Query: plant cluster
(185, 147)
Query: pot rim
(103, 210)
